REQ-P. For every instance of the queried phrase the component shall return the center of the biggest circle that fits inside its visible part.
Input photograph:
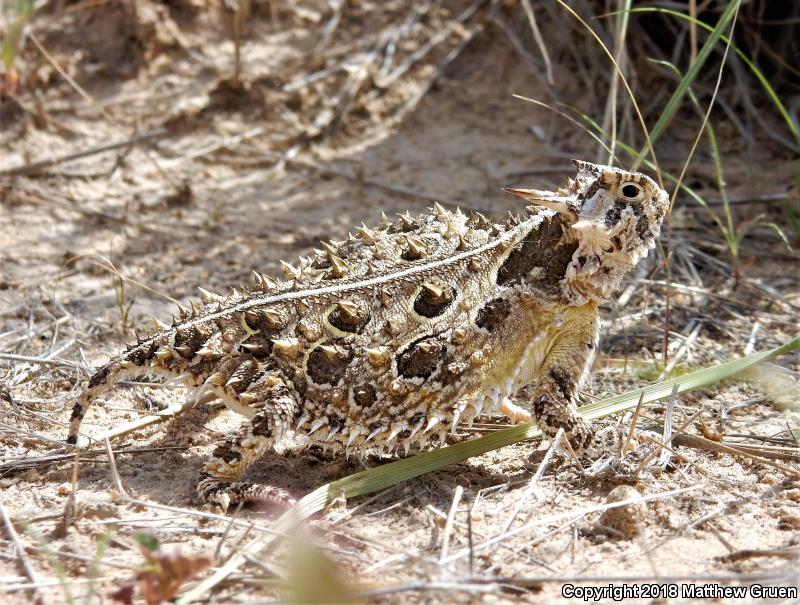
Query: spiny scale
(400, 332)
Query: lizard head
(614, 215)
(606, 207)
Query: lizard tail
(98, 383)
(153, 356)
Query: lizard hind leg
(220, 482)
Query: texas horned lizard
(403, 332)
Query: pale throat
(595, 273)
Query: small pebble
(99, 510)
(770, 479)
(789, 521)
(628, 520)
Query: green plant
(17, 15)
(161, 574)
(52, 559)
(770, 91)
(123, 305)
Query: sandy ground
(204, 204)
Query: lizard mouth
(562, 204)
(593, 232)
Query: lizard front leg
(561, 374)
(219, 482)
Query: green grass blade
(745, 59)
(620, 31)
(691, 74)
(686, 382)
(726, 227)
(9, 44)
(402, 470)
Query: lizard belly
(518, 353)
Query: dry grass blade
(569, 118)
(448, 527)
(38, 165)
(21, 556)
(762, 455)
(647, 135)
(402, 470)
(620, 55)
(537, 35)
(63, 73)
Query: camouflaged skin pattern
(400, 333)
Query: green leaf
(10, 43)
(146, 541)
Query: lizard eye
(631, 191)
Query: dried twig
(223, 143)
(15, 465)
(756, 454)
(63, 73)
(39, 165)
(537, 36)
(779, 553)
(22, 557)
(524, 498)
(448, 526)
(61, 363)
